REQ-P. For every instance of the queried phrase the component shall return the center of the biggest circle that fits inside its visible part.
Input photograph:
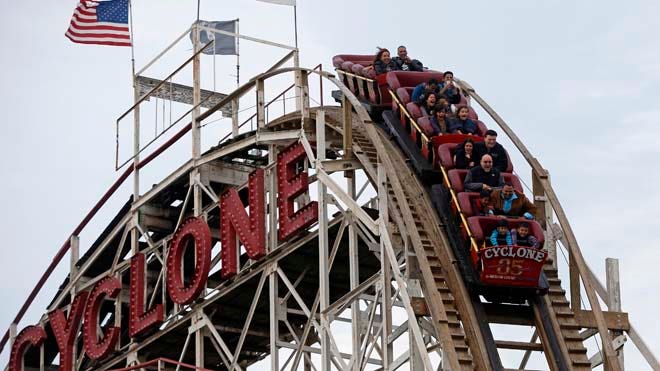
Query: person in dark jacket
(439, 121)
(405, 63)
(464, 156)
(462, 124)
(490, 147)
(448, 89)
(484, 176)
(383, 63)
(424, 88)
(501, 236)
(520, 236)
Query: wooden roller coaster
(345, 277)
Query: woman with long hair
(440, 119)
(462, 124)
(464, 157)
(383, 63)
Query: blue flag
(224, 44)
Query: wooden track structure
(357, 266)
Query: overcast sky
(578, 81)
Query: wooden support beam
(519, 345)
(616, 321)
(506, 314)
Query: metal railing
(425, 142)
(114, 187)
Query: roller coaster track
(460, 323)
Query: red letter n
(291, 185)
(234, 220)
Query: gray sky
(578, 81)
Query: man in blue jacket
(420, 91)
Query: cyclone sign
(518, 266)
(235, 225)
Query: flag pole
(238, 56)
(136, 115)
(130, 19)
(295, 24)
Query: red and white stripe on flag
(85, 27)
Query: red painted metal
(139, 319)
(113, 188)
(515, 266)
(108, 287)
(31, 335)
(65, 330)
(292, 184)
(197, 231)
(65, 247)
(234, 220)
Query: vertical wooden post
(544, 212)
(354, 268)
(574, 276)
(13, 331)
(303, 99)
(348, 127)
(297, 79)
(234, 118)
(199, 343)
(386, 303)
(74, 248)
(273, 285)
(324, 284)
(414, 288)
(614, 295)
(261, 105)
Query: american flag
(100, 22)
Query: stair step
(465, 359)
(569, 325)
(560, 302)
(572, 336)
(556, 291)
(564, 314)
(443, 289)
(582, 362)
(554, 281)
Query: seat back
(466, 202)
(337, 60)
(399, 79)
(404, 94)
(446, 153)
(425, 124)
(481, 128)
(414, 110)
